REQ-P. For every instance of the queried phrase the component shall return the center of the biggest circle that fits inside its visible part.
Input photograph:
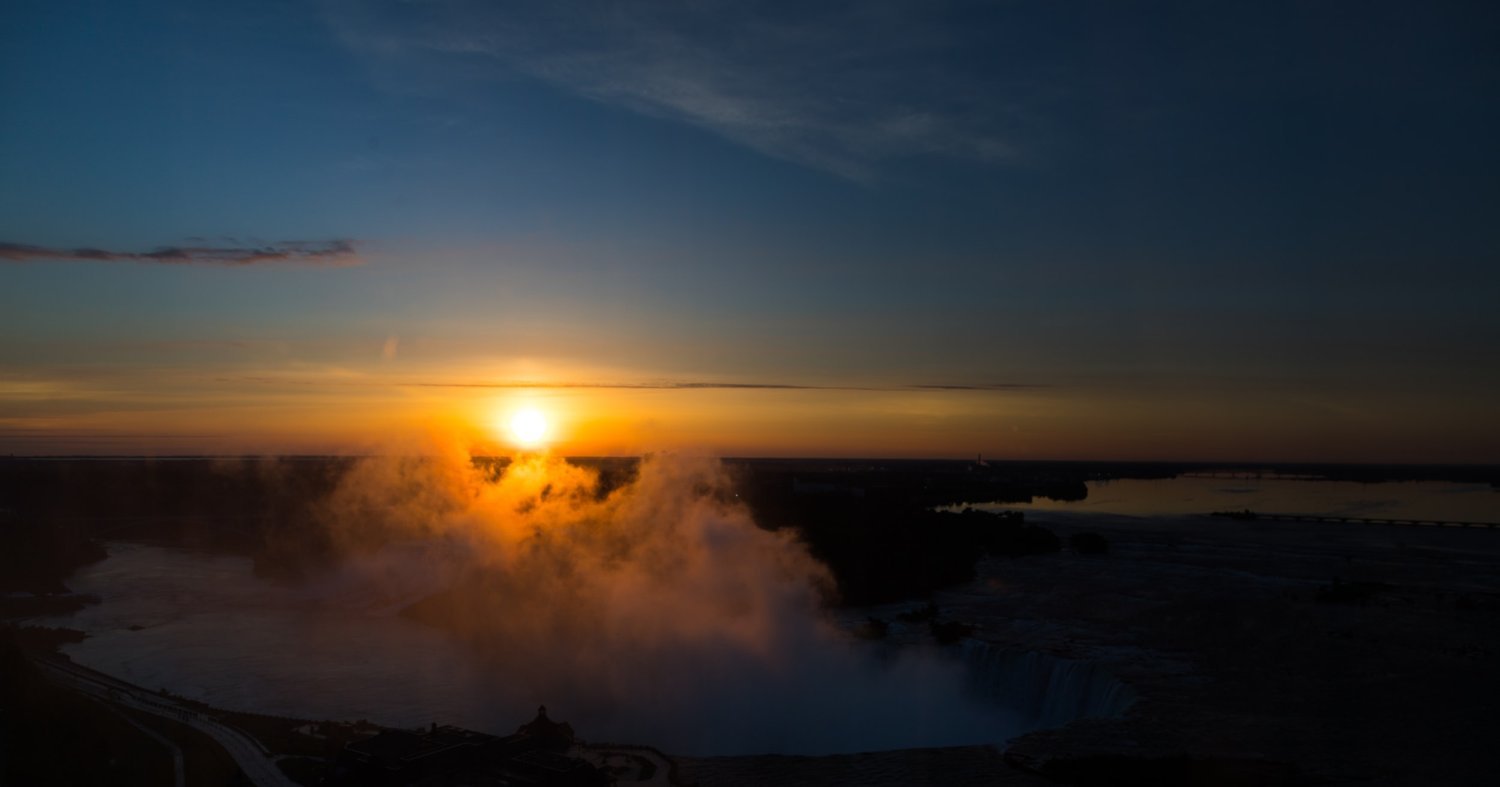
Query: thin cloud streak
(981, 386)
(331, 253)
(669, 385)
(661, 386)
(840, 88)
(708, 386)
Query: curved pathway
(247, 752)
(179, 776)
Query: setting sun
(528, 428)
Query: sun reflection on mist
(651, 605)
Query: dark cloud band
(335, 252)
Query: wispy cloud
(979, 386)
(651, 386)
(839, 87)
(336, 252)
(691, 385)
(605, 385)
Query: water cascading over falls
(1046, 691)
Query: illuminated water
(203, 626)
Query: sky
(1033, 230)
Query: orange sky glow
(347, 411)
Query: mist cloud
(334, 253)
(658, 612)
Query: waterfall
(1046, 690)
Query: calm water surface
(203, 626)
(1186, 496)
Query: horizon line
(764, 457)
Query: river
(1192, 495)
(203, 626)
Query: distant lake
(1188, 496)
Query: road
(247, 752)
(179, 775)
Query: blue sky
(1122, 203)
